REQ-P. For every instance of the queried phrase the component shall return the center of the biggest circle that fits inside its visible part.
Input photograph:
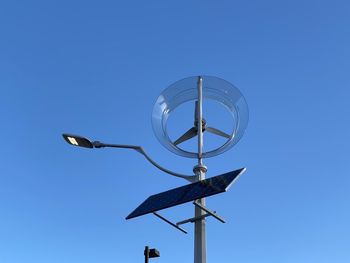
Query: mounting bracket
(212, 213)
(169, 222)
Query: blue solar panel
(187, 193)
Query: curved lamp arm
(77, 140)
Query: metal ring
(185, 90)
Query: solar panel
(187, 193)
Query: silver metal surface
(200, 242)
(200, 120)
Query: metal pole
(146, 254)
(200, 251)
(200, 120)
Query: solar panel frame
(180, 195)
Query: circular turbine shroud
(186, 90)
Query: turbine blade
(217, 132)
(187, 135)
(196, 111)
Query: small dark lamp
(151, 253)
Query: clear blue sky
(96, 67)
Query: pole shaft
(200, 120)
(146, 254)
(200, 251)
(200, 248)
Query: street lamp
(193, 89)
(80, 141)
(150, 253)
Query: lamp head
(77, 140)
(154, 253)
